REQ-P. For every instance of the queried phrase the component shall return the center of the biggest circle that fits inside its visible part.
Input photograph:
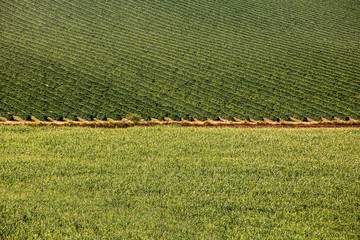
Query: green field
(179, 183)
(180, 59)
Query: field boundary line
(238, 123)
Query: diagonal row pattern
(180, 59)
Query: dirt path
(202, 124)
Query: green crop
(179, 183)
(180, 59)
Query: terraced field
(180, 59)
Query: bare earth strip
(124, 123)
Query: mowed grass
(179, 183)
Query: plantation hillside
(180, 59)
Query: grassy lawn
(172, 183)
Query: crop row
(176, 59)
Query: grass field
(180, 59)
(179, 183)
